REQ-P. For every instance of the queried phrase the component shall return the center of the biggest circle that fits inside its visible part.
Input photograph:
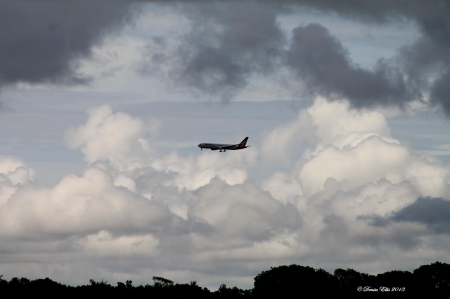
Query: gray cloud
(375, 220)
(434, 212)
(441, 91)
(41, 41)
(419, 69)
(228, 42)
(322, 61)
(431, 211)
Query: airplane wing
(228, 146)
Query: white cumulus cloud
(136, 212)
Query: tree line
(293, 281)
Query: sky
(103, 103)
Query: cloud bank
(226, 49)
(354, 197)
(42, 41)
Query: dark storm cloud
(424, 66)
(231, 41)
(441, 91)
(322, 61)
(41, 41)
(228, 42)
(433, 212)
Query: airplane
(224, 147)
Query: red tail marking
(243, 143)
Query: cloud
(118, 142)
(352, 148)
(181, 215)
(42, 41)
(283, 187)
(430, 213)
(13, 174)
(352, 174)
(368, 161)
(136, 212)
(344, 192)
(284, 141)
(225, 50)
(114, 137)
(79, 206)
(419, 69)
(321, 60)
(434, 212)
(336, 123)
(243, 211)
(222, 50)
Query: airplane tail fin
(243, 143)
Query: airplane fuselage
(224, 147)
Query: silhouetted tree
(3, 283)
(293, 281)
(120, 285)
(349, 280)
(434, 277)
(234, 292)
(395, 279)
(162, 282)
(129, 284)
